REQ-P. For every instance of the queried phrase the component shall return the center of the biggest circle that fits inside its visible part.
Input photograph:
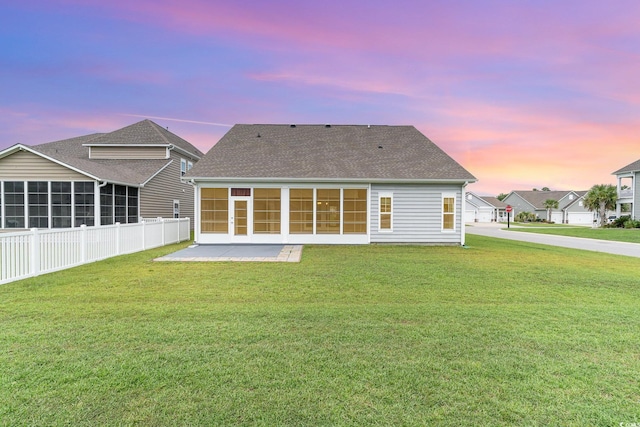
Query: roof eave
(319, 179)
(125, 145)
(156, 173)
(182, 150)
(628, 172)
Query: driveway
(607, 246)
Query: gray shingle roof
(537, 198)
(144, 132)
(332, 152)
(493, 201)
(74, 152)
(632, 167)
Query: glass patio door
(240, 218)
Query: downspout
(462, 207)
(97, 217)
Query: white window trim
(176, 203)
(445, 196)
(183, 167)
(380, 196)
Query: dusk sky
(523, 94)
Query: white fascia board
(10, 150)
(183, 151)
(126, 184)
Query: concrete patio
(243, 253)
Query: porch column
(284, 213)
(618, 204)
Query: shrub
(630, 223)
(620, 222)
(525, 217)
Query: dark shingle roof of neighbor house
(144, 132)
(328, 152)
(537, 198)
(74, 152)
(632, 167)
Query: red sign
(508, 208)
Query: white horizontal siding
(417, 214)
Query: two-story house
(97, 179)
(628, 190)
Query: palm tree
(600, 198)
(548, 205)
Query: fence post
(35, 252)
(144, 234)
(83, 243)
(117, 238)
(164, 226)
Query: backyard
(497, 333)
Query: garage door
(580, 218)
(484, 215)
(556, 217)
(470, 216)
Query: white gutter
(350, 180)
(155, 174)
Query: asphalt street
(499, 231)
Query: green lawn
(615, 234)
(499, 333)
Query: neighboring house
(571, 209)
(328, 184)
(484, 209)
(628, 177)
(97, 179)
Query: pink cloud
(535, 149)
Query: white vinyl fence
(31, 253)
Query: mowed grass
(631, 235)
(499, 333)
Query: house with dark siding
(97, 179)
(331, 184)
